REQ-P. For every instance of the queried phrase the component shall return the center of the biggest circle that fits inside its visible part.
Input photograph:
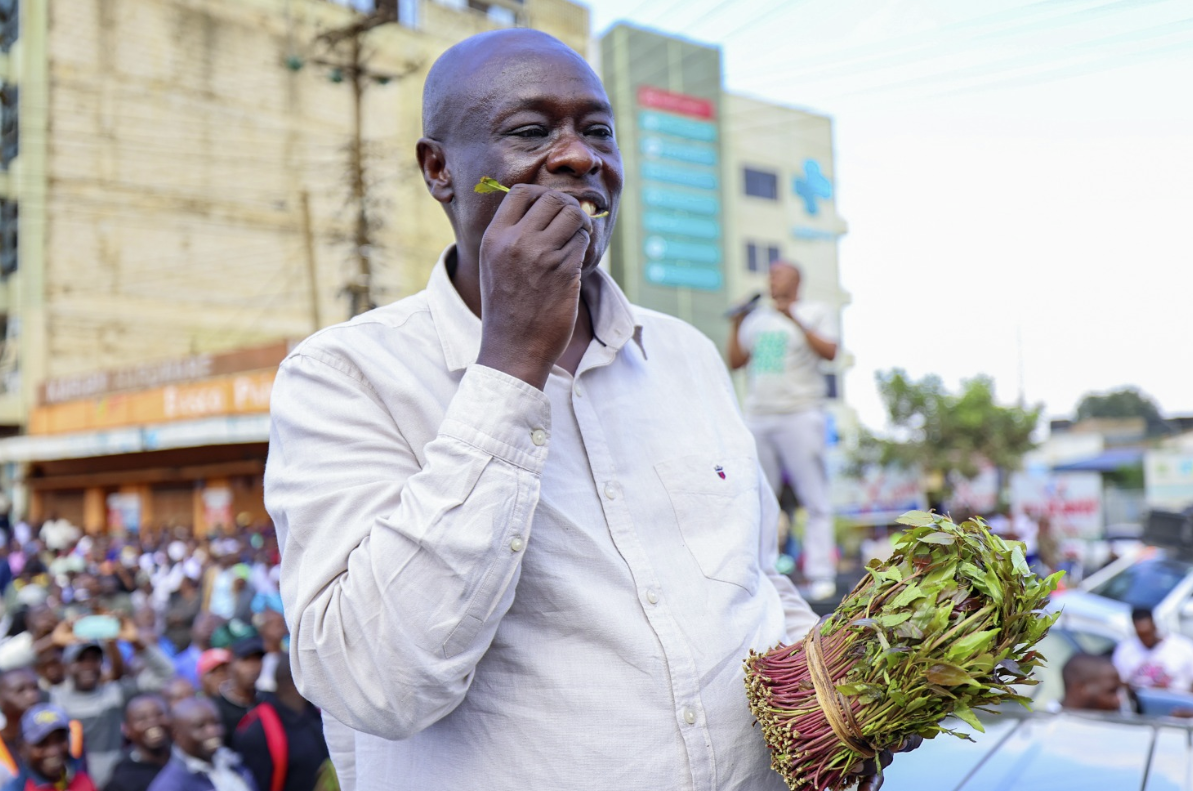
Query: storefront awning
(1106, 461)
(161, 436)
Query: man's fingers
(520, 199)
(566, 224)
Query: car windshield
(1145, 584)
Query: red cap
(212, 658)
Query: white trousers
(795, 442)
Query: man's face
(536, 116)
(85, 671)
(213, 679)
(273, 627)
(784, 284)
(1145, 628)
(176, 690)
(41, 621)
(50, 666)
(48, 758)
(246, 671)
(18, 693)
(147, 725)
(197, 729)
(1101, 691)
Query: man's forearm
(738, 357)
(397, 571)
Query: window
(762, 184)
(759, 257)
(10, 23)
(1146, 583)
(9, 126)
(8, 237)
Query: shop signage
(158, 374)
(236, 394)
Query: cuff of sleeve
(502, 416)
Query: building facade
(184, 180)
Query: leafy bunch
(946, 626)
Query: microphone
(744, 307)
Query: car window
(1146, 583)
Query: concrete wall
(177, 144)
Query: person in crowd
(219, 596)
(98, 704)
(282, 726)
(239, 693)
(182, 612)
(214, 670)
(50, 669)
(47, 764)
(18, 693)
(199, 761)
(177, 689)
(186, 663)
(783, 345)
(43, 629)
(1152, 660)
(147, 729)
(272, 627)
(244, 594)
(1091, 684)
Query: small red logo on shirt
(721, 471)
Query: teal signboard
(681, 190)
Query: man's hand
(870, 779)
(63, 634)
(530, 263)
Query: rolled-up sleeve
(396, 572)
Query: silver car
(1151, 578)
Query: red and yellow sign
(237, 394)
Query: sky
(1017, 177)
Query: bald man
(783, 344)
(525, 539)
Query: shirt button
(652, 597)
(538, 437)
(689, 715)
(517, 545)
(611, 490)
(576, 389)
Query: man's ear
(432, 160)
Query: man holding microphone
(781, 346)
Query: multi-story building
(184, 185)
(718, 186)
(780, 196)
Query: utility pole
(355, 69)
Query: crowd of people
(154, 660)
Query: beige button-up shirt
(501, 588)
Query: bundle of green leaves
(945, 627)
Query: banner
(879, 496)
(1072, 501)
(977, 495)
(124, 512)
(1168, 479)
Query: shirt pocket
(716, 505)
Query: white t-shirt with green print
(784, 371)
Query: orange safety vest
(6, 758)
(76, 748)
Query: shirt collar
(614, 321)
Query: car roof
(1066, 751)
